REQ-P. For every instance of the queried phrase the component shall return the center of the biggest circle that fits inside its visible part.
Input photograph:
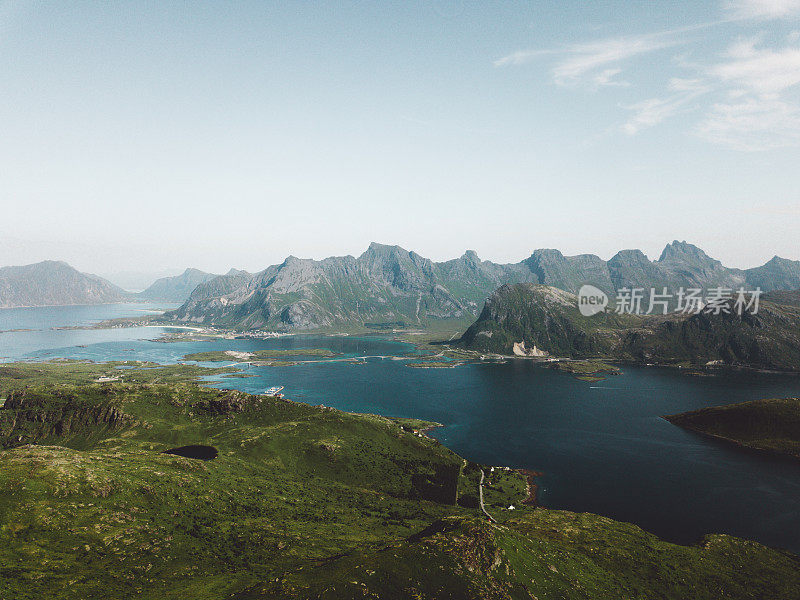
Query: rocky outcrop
(30, 417)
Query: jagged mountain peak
(630, 254)
(685, 252)
(471, 259)
(292, 260)
(376, 248)
(547, 253)
(388, 284)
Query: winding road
(480, 498)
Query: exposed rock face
(177, 288)
(688, 266)
(28, 416)
(632, 269)
(386, 284)
(228, 401)
(392, 286)
(570, 273)
(52, 283)
(519, 349)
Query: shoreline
(734, 442)
(531, 487)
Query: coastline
(733, 442)
(531, 487)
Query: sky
(153, 136)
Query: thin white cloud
(748, 96)
(607, 78)
(679, 84)
(653, 111)
(597, 64)
(583, 61)
(763, 9)
(764, 71)
(521, 57)
(753, 124)
(761, 109)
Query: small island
(586, 370)
(771, 425)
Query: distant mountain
(529, 315)
(388, 285)
(51, 283)
(177, 288)
(777, 274)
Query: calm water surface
(602, 446)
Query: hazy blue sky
(155, 135)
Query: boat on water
(273, 391)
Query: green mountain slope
(549, 319)
(300, 502)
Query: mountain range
(388, 285)
(385, 286)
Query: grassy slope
(547, 555)
(772, 424)
(302, 502)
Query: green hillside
(549, 319)
(300, 502)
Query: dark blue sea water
(602, 446)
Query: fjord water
(602, 446)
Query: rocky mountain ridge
(389, 286)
